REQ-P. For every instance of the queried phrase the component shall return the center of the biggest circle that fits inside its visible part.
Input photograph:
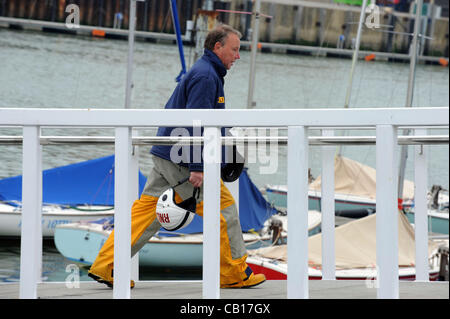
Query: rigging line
(354, 60)
(166, 18)
(355, 53)
(393, 87)
(431, 45)
(340, 150)
(318, 54)
(108, 176)
(362, 73)
(108, 192)
(404, 33)
(75, 99)
(194, 34)
(335, 73)
(381, 25)
(328, 24)
(323, 35)
(190, 56)
(32, 9)
(395, 32)
(431, 84)
(361, 169)
(244, 12)
(335, 79)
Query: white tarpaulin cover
(354, 178)
(355, 245)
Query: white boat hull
(356, 206)
(81, 242)
(277, 270)
(11, 218)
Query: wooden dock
(271, 289)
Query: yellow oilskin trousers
(144, 224)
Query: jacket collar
(215, 61)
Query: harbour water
(41, 70)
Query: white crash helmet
(173, 216)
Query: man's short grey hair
(219, 34)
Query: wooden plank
(271, 289)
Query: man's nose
(238, 56)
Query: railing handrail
(386, 122)
(227, 140)
(429, 116)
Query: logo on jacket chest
(221, 99)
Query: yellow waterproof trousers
(144, 224)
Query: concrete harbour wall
(292, 22)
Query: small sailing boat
(355, 253)
(77, 192)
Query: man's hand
(196, 179)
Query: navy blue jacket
(200, 88)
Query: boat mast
(176, 23)
(355, 53)
(354, 60)
(205, 22)
(131, 26)
(254, 48)
(410, 95)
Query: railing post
(328, 211)
(387, 212)
(421, 210)
(297, 206)
(31, 232)
(134, 188)
(123, 198)
(212, 154)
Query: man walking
(200, 88)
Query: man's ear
(217, 46)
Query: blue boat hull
(82, 246)
(435, 224)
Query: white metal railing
(298, 122)
(227, 140)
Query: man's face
(229, 52)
